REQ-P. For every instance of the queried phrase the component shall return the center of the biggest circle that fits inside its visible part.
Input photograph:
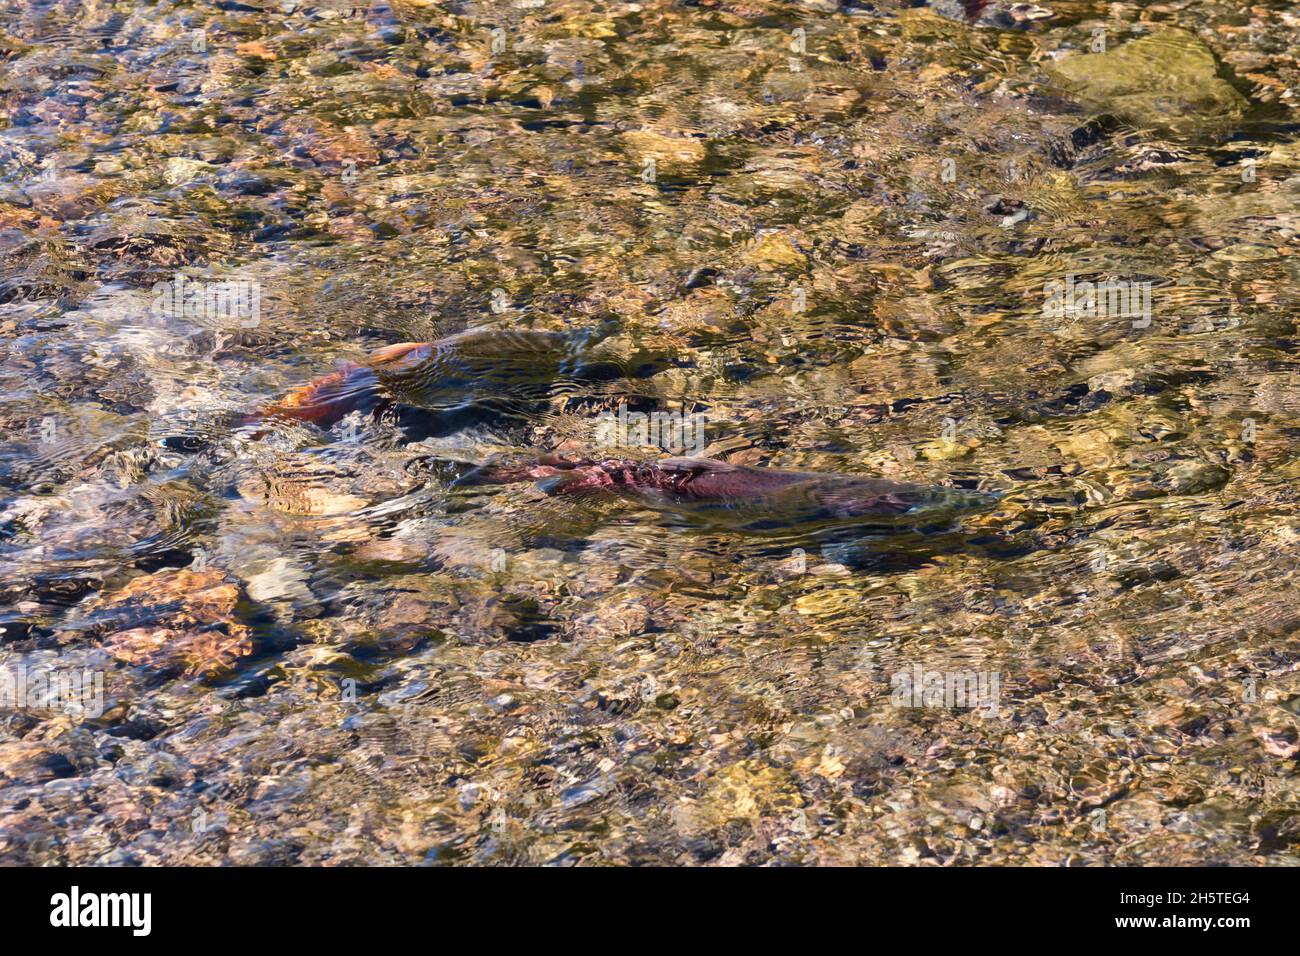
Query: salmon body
(744, 497)
(477, 365)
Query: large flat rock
(1167, 81)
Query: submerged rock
(1168, 81)
(1005, 16)
(181, 622)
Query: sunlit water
(834, 236)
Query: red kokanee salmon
(745, 496)
(477, 365)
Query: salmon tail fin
(191, 435)
(584, 339)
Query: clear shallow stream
(838, 246)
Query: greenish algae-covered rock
(1167, 81)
